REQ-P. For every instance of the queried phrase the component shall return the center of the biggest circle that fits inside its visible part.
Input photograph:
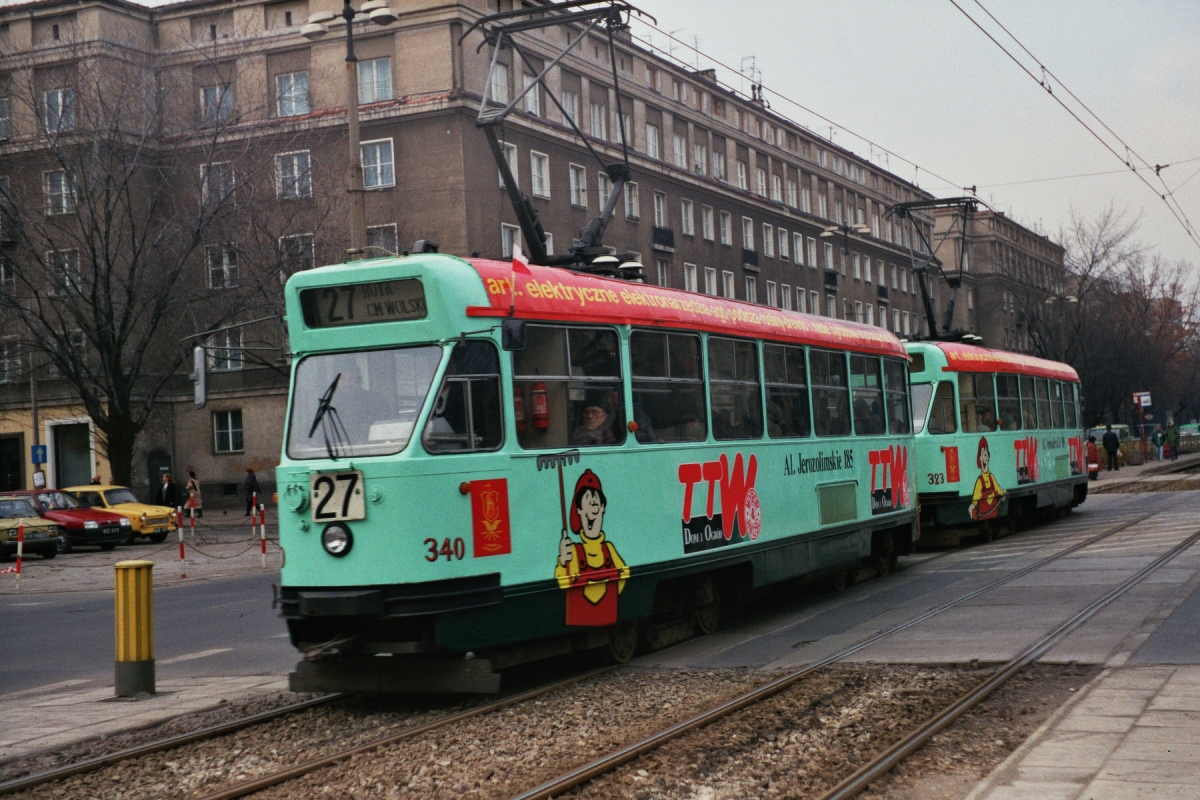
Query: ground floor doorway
(12, 463)
(72, 454)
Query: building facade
(726, 196)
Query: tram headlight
(337, 540)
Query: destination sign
(361, 303)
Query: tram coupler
(397, 674)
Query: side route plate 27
(337, 496)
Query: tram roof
(549, 293)
(962, 357)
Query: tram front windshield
(359, 404)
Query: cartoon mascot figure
(591, 571)
(985, 500)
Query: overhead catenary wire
(1175, 210)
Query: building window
(895, 320)
(4, 118)
(291, 94)
(904, 280)
(842, 260)
(785, 295)
(858, 311)
(718, 163)
(570, 102)
(783, 244)
(829, 256)
(727, 287)
(892, 269)
(857, 267)
(875, 225)
(904, 316)
(510, 157)
(970, 299)
(679, 151)
(700, 157)
(633, 205)
(378, 166)
(8, 279)
(509, 236)
(726, 228)
(866, 262)
(293, 175)
(798, 248)
(227, 431)
(578, 177)
(296, 251)
(599, 121)
(747, 233)
(772, 297)
(689, 278)
(664, 272)
(216, 103)
(751, 289)
(871, 314)
(375, 81)
(837, 211)
(383, 237)
(806, 200)
(710, 280)
(706, 222)
(65, 264)
(225, 351)
(822, 207)
(216, 182)
(814, 303)
(660, 210)
(652, 141)
(10, 360)
(791, 194)
(222, 266)
(603, 188)
(760, 181)
(812, 253)
(549, 243)
(777, 188)
(742, 177)
(59, 110)
(533, 96)
(687, 218)
(539, 170)
(768, 241)
(60, 196)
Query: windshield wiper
(329, 420)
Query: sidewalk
(1133, 733)
(1151, 471)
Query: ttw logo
(889, 479)
(740, 516)
(1027, 459)
(1075, 446)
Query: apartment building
(727, 197)
(1011, 275)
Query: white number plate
(337, 496)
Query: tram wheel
(708, 616)
(622, 641)
(840, 581)
(986, 533)
(883, 555)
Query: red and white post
(182, 555)
(192, 514)
(262, 532)
(20, 550)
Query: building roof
(971, 358)
(564, 295)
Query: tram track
(588, 772)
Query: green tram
(488, 463)
(999, 439)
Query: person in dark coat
(251, 484)
(1112, 443)
(168, 493)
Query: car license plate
(160, 530)
(35, 535)
(337, 496)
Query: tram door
(12, 463)
(72, 455)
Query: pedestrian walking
(1112, 445)
(251, 484)
(168, 493)
(195, 501)
(1173, 439)
(1158, 440)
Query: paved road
(223, 626)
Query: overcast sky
(918, 78)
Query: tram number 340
(451, 550)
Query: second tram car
(999, 439)
(487, 463)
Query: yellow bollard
(135, 628)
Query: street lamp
(378, 12)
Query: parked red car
(79, 524)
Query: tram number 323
(451, 549)
(935, 478)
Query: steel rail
(888, 759)
(587, 772)
(99, 762)
(300, 770)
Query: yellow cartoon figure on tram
(591, 571)
(985, 500)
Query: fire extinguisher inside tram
(541, 413)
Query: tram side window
(1008, 398)
(734, 389)
(1043, 402)
(668, 387)
(1072, 411)
(830, 393)
(866, 383)
(1056, 404)
(922, 394)
(466, 413)
(567, 388)
(941, 416)
(977, 402)
(894, 384)
(787, 391)
(1028, 405)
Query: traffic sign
(37, 453)
(1141, 399)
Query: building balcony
(883, 292)
(664, 239)
(750, 259)
(831, 278)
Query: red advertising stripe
(970, 358)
